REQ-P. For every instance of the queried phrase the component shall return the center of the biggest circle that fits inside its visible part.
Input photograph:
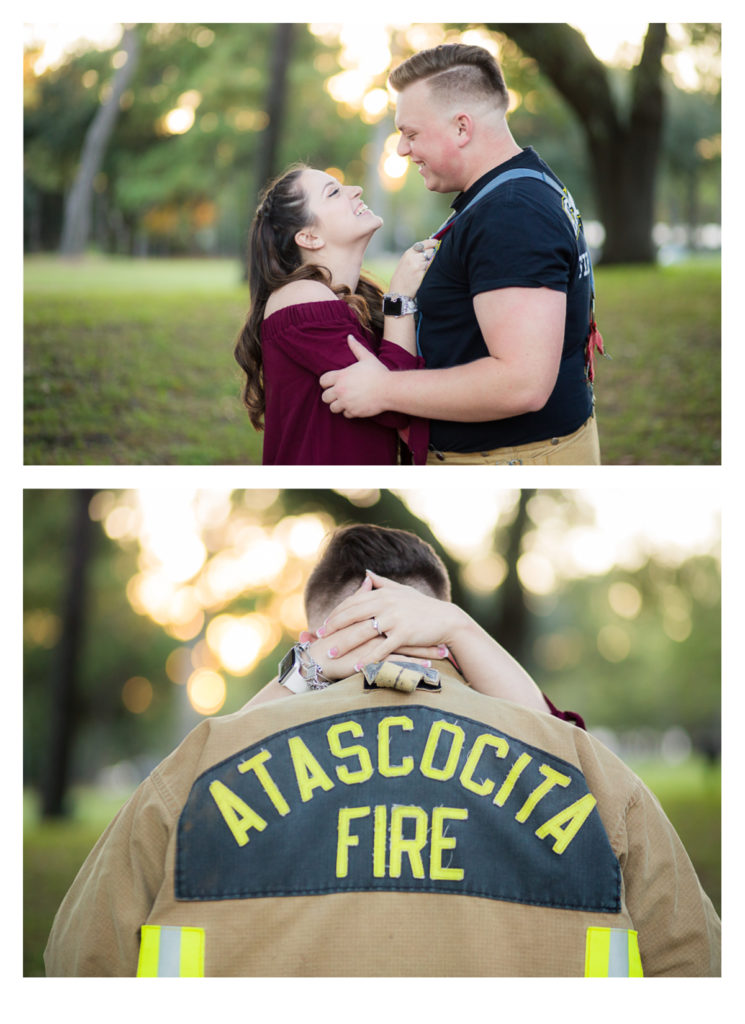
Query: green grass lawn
(54, 851)
(659, 399)
(690, 794)
(130, 362)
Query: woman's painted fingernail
(443, 651)
(321, 631)
(332, 652)
(358, 667)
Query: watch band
(398, 305)
(299, 672)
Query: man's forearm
(486, 389)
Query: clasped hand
(414, 625)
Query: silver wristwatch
(299, 672)
(398, 305)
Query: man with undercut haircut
(397, 822)
(505, 310)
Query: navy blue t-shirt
(522, 234)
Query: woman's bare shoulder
(295, 292)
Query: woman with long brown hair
(308, 295)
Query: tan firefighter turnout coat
(371, 832)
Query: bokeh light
(178, 121)
(614, 643)
(207, 691)
(223, 572)
(137, 695)
(196, 553)
(625, 599)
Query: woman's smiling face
(339, 214)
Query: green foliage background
(194, 193)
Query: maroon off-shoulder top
(299, 344)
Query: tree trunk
(77, 220)
(55, 776)
(512, 625)
(276, 97)
(623, 146)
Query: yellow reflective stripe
(612, 953)
(635, 959)
(170, 952)
(192, 953)
(147, 965)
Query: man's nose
(403, 148)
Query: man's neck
(499, 151)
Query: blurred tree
(623, 145)
(77, 657)
(65, 680)
(275, 103)
(58, 108)
(181, 165)
(690, 186)
(511, 625)
(635, 651)
(77, 220)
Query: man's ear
(306, 239)
(463, 128)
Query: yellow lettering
(456, 745)
(384, 746)
(509, 783)
(439, 842)
(501, 749)
(345, 839)
(256, 764)
(575, 815)
(238, 816)
(553, 778)
(380, 839)
(411, 847)
(308, 771)
(365, 770)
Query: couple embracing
(482, 350)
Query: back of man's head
(351, 550)
(455, 71)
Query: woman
(308, 295)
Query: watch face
(392, 307)
(286, 664)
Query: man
(394, 823)
(504, 309)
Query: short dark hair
(453, 68)
(397, 554)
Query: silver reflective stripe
(618, 953)
(169, 953)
